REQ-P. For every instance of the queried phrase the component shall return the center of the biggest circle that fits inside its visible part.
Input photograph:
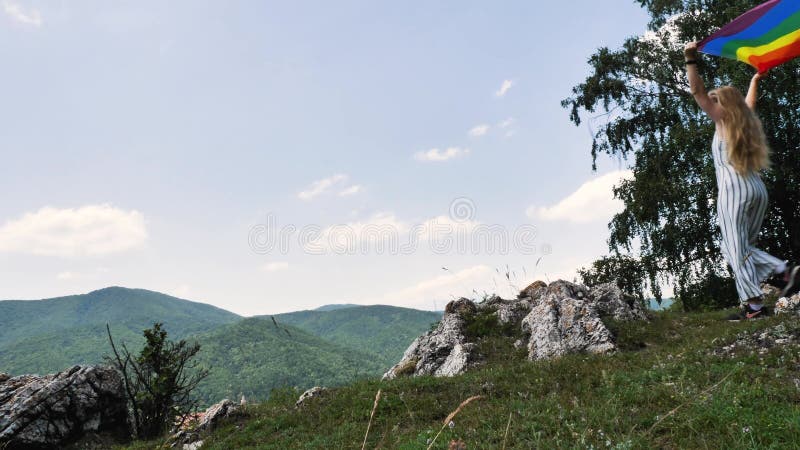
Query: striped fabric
(764, 37)
(741, 204)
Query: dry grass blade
(508, 425)
(701, 396)
(452, 415)
(371, 415)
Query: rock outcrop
(191, 439)
(443, 351)
(55, 410)
(314, 392)
(552, 321)
(612, 302)
(788, 305)
(565, 320)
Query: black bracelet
(691, 61)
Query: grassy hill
(676, 383)
(329, 347)
(385, 331)
(43, 336)
(253, 356)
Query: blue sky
(141, 142)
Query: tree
(640, 110)
(626, 272)
(159, 382)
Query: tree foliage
(623, 270)
(159, 382)
(637, 102)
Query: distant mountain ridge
(331, 345)
(43, 336)
(335, 306)
(20, 319)
(383, 330)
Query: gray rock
(55, 410)
(314, 392)
(208, 421)
(457, 361)
(788, 305)
(441, 352)
(193, 446)
(534, 290)
(770, 290)
(612, 302)
(511, 311)
(215, 413)
(559, 324)
(556, 319)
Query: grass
(665, 389)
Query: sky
(267, 157)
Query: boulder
(214, 414)
(53, 411)
(566, 318)
(191, 437)
(612, 302)
(555, 320)
(788, 305)
(314, 392)
(558, 326)
(441, 352)
(534, 290)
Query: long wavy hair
(744, 135)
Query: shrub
(159, 382)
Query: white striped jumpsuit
(741, 204)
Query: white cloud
(479, 130)
(507, 123)
(445, 287)
(18, 14)
(275, 266)
(437, 226)
(384, 233)
(504, 87)
(92, 230)
(321, 186)
(592, 201)
(437, 155)
(351, 190)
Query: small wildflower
(746, 430)
(451, 424)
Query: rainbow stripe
(764, 37)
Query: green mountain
(247, 356)
(43, 336)
(385, 331)
(335, 306)
(255, 355)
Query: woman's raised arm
(752, 93)
(696, 85)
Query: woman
(740, 151)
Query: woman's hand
(690, 50)
(760, 75)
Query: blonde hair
(744, 135)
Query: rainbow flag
(764, 37)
